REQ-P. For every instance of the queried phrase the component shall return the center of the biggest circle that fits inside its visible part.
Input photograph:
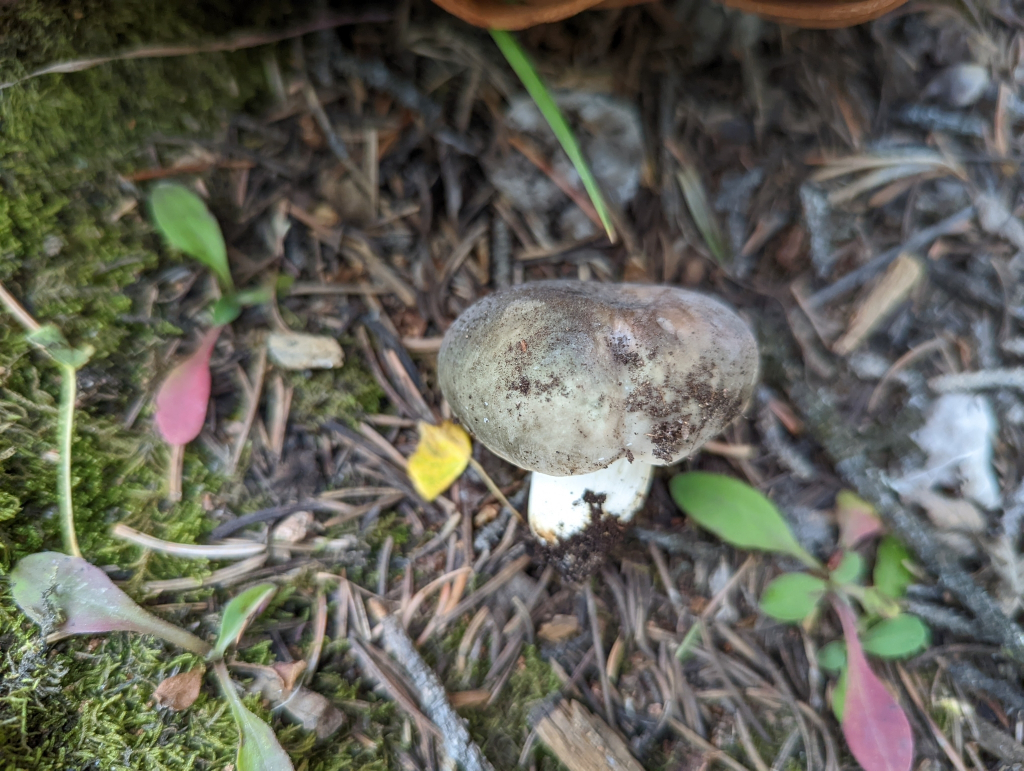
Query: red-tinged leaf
(876, 729)
(858, 519)
(68, 596)
(184, 395)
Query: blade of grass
(519, 62)
(700, 210)
(697, 202)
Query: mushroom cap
(566, 377)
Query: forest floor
(854, 194)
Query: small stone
(297, 351)
(52, 245)
(293, 528)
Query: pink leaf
(69, 596)
(858, 519)
(184, 395)
(876, 729)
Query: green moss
(86, 704)
(388, 524)
(64, 140)
(502, 728)
(342, 394)
(118, 477)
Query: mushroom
(590, 386)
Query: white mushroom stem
(560, 507)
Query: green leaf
(832, 657)
(183, 219)
(258, 296)
(520, 62)
(839, 695)
(239, 613)
(736, 513)
(51, 340)
(685, 649)
(850, 569)
(793, 596)
(896, 638)
(891, 576)
(226, 310)
(258, 748)
(874, 602)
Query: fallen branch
(1003, 377)
(234, 42)
(455, 738)
(849, 455)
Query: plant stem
(65, 426)
(495, 491)
(175, 635)
(227, 688)
(226, 551)
(65, 436)
(15, 309)
(174, 469)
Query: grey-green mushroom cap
(566, 377)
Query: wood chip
(560, 627)
(465, 699)
(582, 741)
(949, 513)
(893, 288)
(298, 351)
(293, 528)
(289, 672)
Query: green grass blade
(697, 202)
(519, 62)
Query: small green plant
(68, 596)
(876, 728)
(49, 339)
(188, 226)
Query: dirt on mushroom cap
(566, 377)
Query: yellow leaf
(441, 457)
